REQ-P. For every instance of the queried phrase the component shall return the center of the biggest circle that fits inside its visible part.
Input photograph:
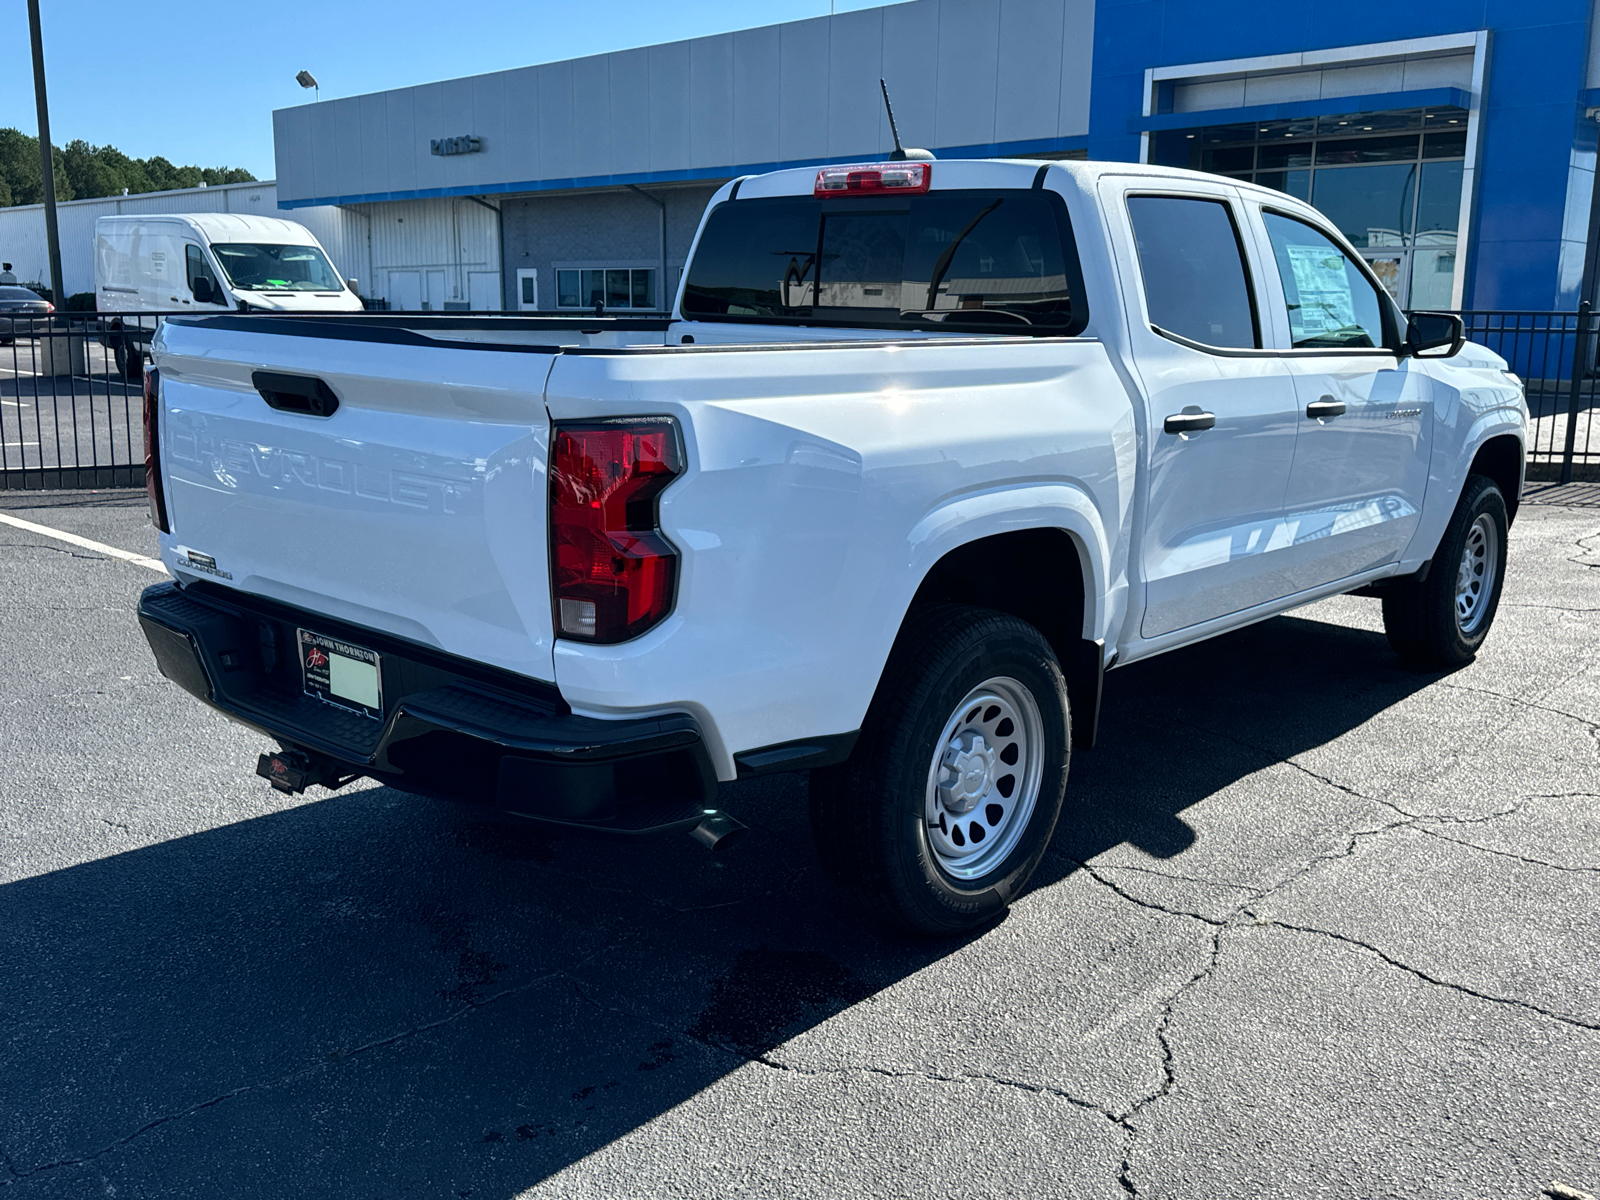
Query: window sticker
(1326, 303)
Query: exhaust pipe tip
(717, 831)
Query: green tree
(84, 171)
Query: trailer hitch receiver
(292, 771)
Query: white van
(207, 262)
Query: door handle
(1190, 420)
(1322, 409)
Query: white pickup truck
(923, 450)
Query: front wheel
(948, 803)
(1439, 623)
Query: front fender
(970, 518)
(1447, 474)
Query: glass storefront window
(1390, 181)
(1433, 262)
(1372, 206)
(615, 287)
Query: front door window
(1331, 303)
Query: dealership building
(1453, 142)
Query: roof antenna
(900, 153)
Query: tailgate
(417, 507)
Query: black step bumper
(450, 727)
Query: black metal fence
(1554, 353)
(71, 393)
(71, 399)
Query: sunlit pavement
(1313, 925)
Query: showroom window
(1390, 181)
(612, 287)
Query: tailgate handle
(295, 393)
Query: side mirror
(1430, 330)
(201, 287)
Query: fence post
(1580, 362)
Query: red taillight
(48, 307)
(152, 450)
(612, 572)
(873, 177)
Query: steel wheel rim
(1475, 574)
(983, 781)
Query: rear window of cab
(990, 261)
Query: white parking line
(150, 564)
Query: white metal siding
(22, 235)
(457, 236)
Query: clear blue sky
(197, 80)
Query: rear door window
(1196, 284)
(996, 261)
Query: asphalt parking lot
(1313, 926)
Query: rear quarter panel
(822, 484)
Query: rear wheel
(130, 363)
(948, 803)
(1440, 623)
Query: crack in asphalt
(1582, 549)
(55, 550)
(1534, 862)
(1169, 1006)
(1223, 884)
(1521, 702)
(1385, 956)
(1220, 926)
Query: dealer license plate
(340, 673)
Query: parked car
(20, 312)
(206, 262)
(924, 450)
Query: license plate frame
(329, 663)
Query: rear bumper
(449, 728)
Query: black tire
(870, 816)
(130, 363)
(1439, 624)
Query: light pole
(305, 79)
(46, 159)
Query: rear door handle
(1324, 408)
(1190, 420)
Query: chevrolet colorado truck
(923, 449)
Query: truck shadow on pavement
(372, 995)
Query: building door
(434, 301)
(528, 289)
(405, 291)
(483, 291)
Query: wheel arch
(1037, 555)
(1501, 459)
